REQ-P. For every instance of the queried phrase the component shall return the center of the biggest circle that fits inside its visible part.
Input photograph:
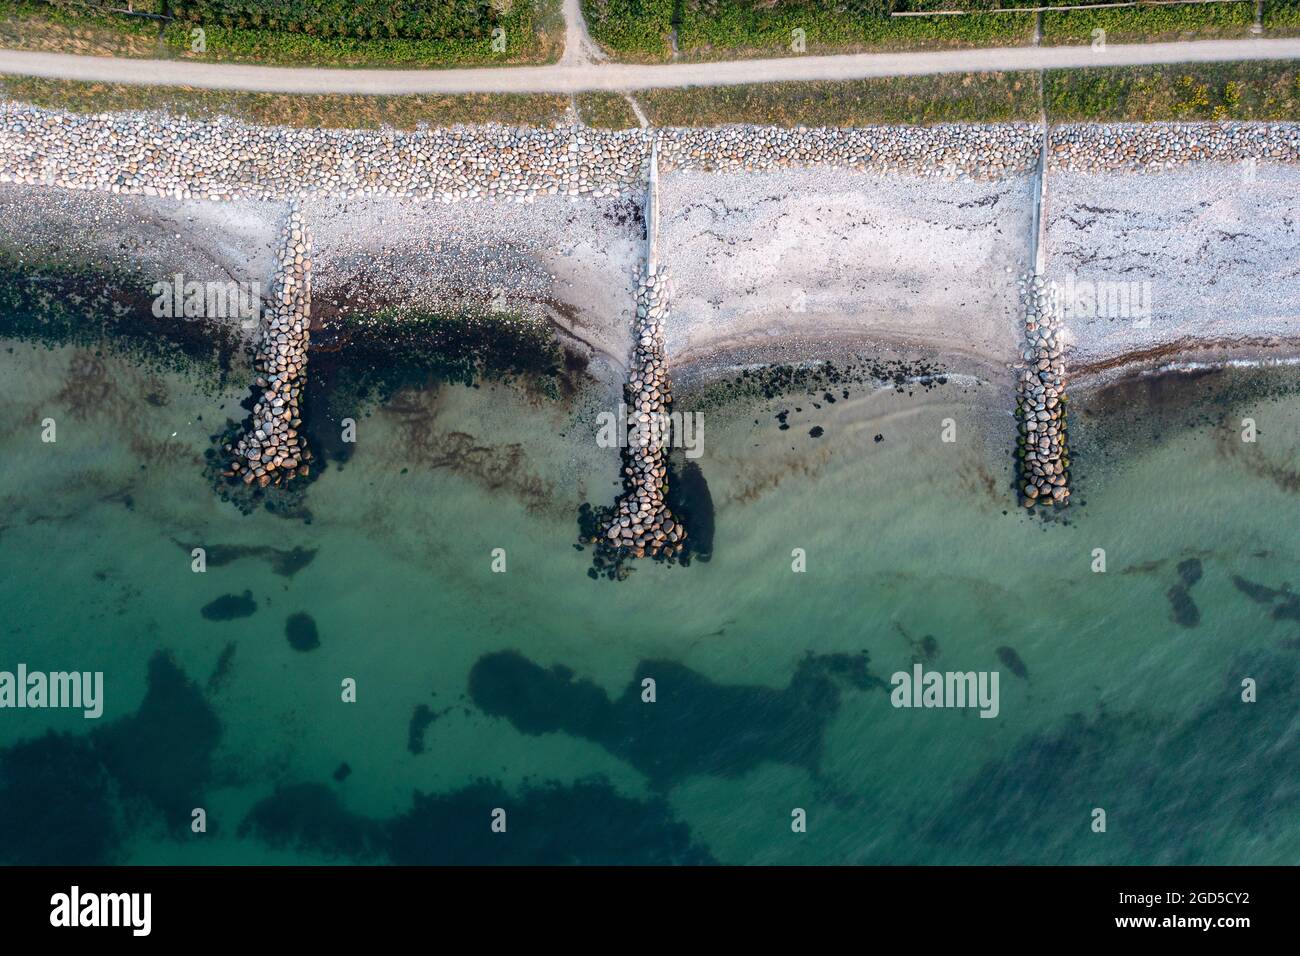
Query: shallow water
(523, 690)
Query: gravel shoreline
(778, 239)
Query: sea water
(415, 666)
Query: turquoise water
(522, 690)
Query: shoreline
(1186, 357)
(699, 369)
(784, 246)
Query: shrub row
(640, 29)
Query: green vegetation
(742, 29)
(1282, 17)
(634, 29)
(359, 32)
(950, 98)
(340, 111)
(606, 110)
(922, 32)
(287, 32)
(728, 29)
(35, 25)
(437, 33)
(1258, 91)
(1162, 23)
(365, 19)
(1215, 91)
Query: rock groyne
(272, 450)
(642, 523)
(1042, 453)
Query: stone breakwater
(979, 151)
(1089, 147)
(642, 523)
(1044, 459)
(157, 155)
(272, 451)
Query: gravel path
(579, 48)
(571, 77)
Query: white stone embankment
(1095, 147)
(273, 451)
(1040, 398)
(158, 155)
(155, 154)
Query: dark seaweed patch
(695, 727)
(230, 606)
(367, 357)
(1286, 603)
(1190, 571)
(816, 379)
(1033, 806)
(285, 563)
(56, 804)
(222, 668)
(72, 799)
(56, 305)
(421, 718)
(588, 822)
(1259, 593)
(163, 752)
(1012, 662)
(925, 650)
(309, 816)
(1182, 608)
(300, 629)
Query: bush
(1218, 91)
(363, 19)
(630, 26)
(1129, 24)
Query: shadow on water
(689, 498)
